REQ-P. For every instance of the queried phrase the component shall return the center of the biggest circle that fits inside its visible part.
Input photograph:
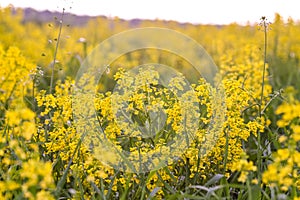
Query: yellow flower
(46, 195)
(254, 181)
(243, 177)
(282, 138)
(11, 185)
(283, 154)
(296, 133)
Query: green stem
(249, 189)
(259, 161)
(56, 49)
(264, 68)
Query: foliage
(253, 155)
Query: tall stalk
(56, 49)
(264, 25)
(265, 29)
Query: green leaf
(216, 178)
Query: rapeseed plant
(253, 150)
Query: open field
(123, 120)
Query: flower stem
(56, 49)
(264, 68)
(259, 152)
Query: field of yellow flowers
(148, 132)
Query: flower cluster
(283, 172)
(23, 174)
(145, 132)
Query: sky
(193, 11)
